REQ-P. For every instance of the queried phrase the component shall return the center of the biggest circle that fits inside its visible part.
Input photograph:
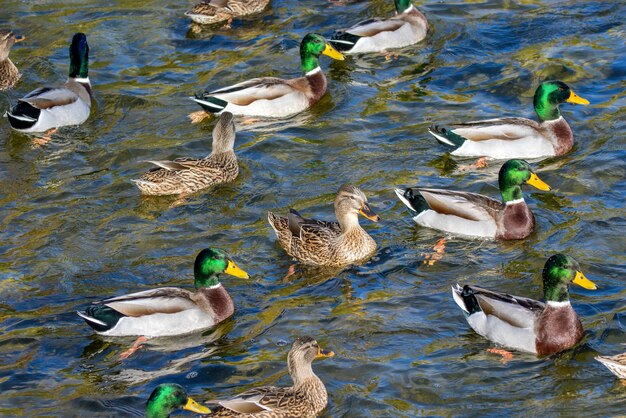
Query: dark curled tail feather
(23, 115)
(344, 41)
(471, 303)
(417, 201)
(446, 136)
(210, 104)
(101, 317)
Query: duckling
(189, 175)
(322, 243)
(305, 399)
(9, 74)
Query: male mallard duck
(275, 97)
(170, 310)
(407, 27)
(188, 175)
(526, 324)
(517, 137)
(305, 399)
(52, 107)
(167, 398)
(616, 364)
(9, 74)
(214, 11)
(477, 215)
(322, 243)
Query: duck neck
(349, 222)
(403, 6)
(511, 194)
(544, 108)
(309, 62)
(301, 373)
(206, 280)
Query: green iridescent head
(311, 47)
(167, 398)
(561, 270)
(79, 56)
(513, 174)
(210, 263)
(402, 5)
(548, 97)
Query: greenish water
(73, 229)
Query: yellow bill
(369, 213)
(194, 406)
(534, 180)
(19, 38)
(332, 52)
(584, 282)
(324, 353)
(234, 270)
(574, 98)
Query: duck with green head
(170, 310)
(517, 137)
(270, 96)
(169, 397)
(407, 27)
(526, 324)
(47, 108)
(9, 74)
(476, 215)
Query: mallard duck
(517, 137)
(305, 399)
(188, 175)
(52, 107)
(9, 74)
(476, 215)
(322, 243)
(167, 398)
(170, 310)
(275, 97)
(214, 11)
(407, 27)
(616, 364)
(526, 324)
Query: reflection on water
(73, 229)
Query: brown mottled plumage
(323, 243)
(9, 74)
(305, 399)
(188, 175)
(616, 364)
(208, 12)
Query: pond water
(73, 229)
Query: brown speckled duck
(9, 74)
(526, 324)
(616, 364)
(475, 215)
(214, 11)
(322, 243)
(188, 175)
(305, 399)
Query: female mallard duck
(274, 97)
(477, 215)
(52, 107)
(9, 74)
(517, 137)
(305, 399)
(167, 398)
(616, 364)
(527, 324)
(322, 243)
(188, 175)
(214, 11)
(407, 27)
(170, 310)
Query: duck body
(475, 215)
(169, 311)
(517, 137)
(275, 97)
(616, 364)
(322, 243)
(188, 175)
(374, 35)
(52, 107)
(526, 324)
(209, 12)
(9, 74)
(305, 399)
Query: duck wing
(470, 206)
(161, 300)
(516, 310)
(373, 27)
(47, 97)
(258, 400)
(264, 88)
(296, 221)
(506, 129)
